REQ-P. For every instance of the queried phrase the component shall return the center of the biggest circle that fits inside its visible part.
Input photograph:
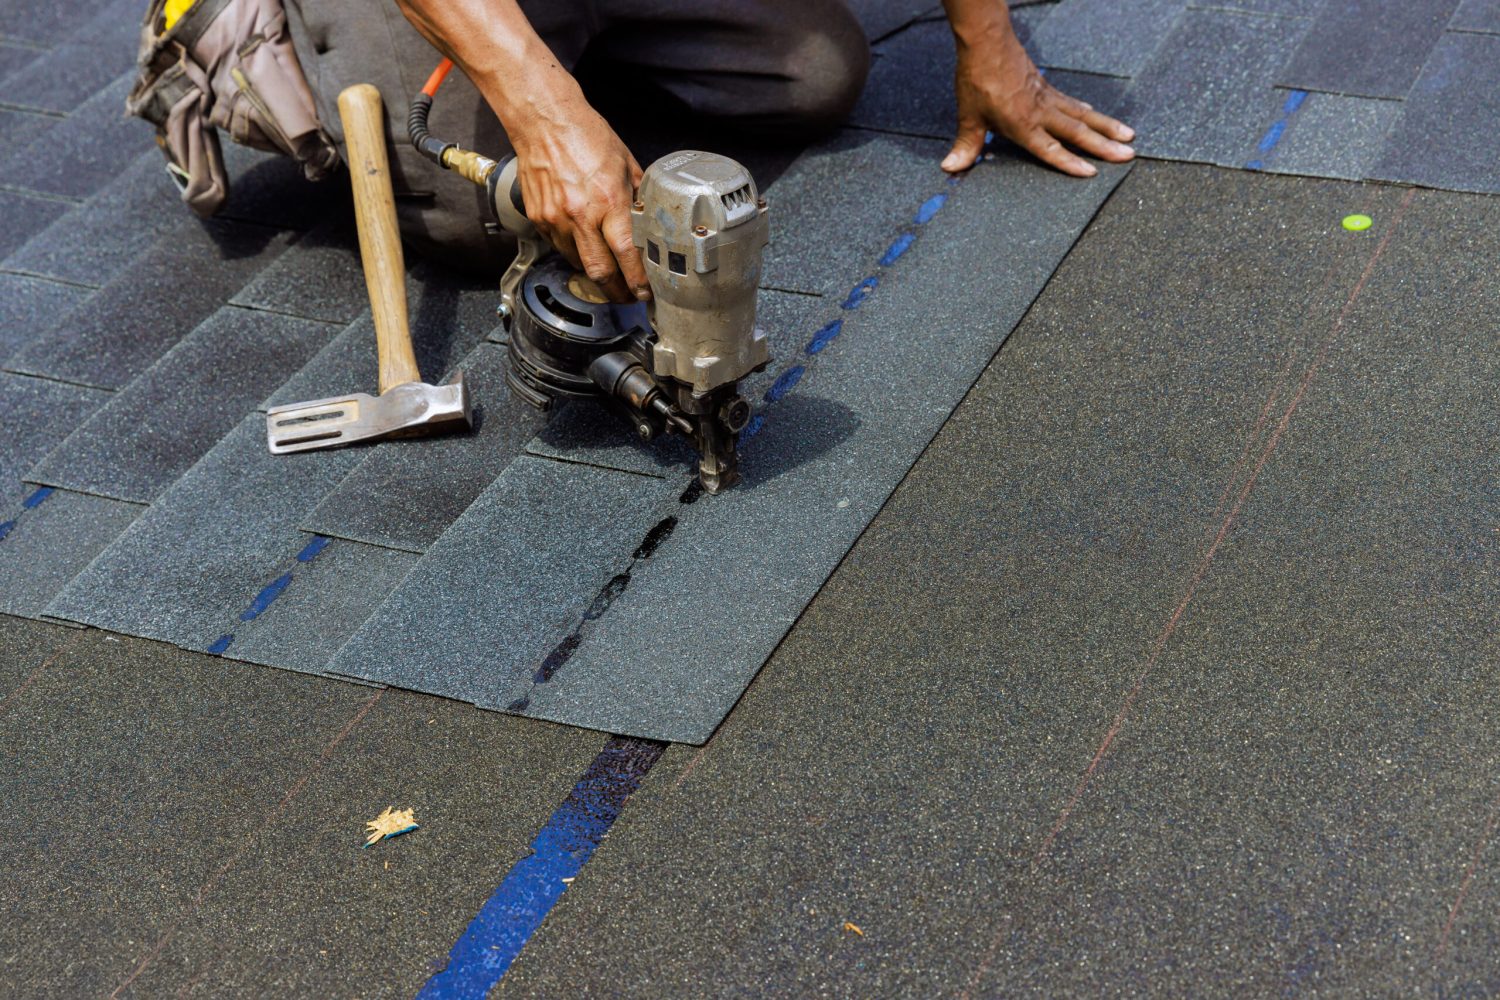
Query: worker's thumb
(966, 149)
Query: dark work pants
(782, 68)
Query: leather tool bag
(225, 64)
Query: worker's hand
(999, 89)
(578, 181)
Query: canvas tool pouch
(225, 64)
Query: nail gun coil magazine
(671, 365)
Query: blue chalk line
(825, 336)
(1278, 128)
(860, 292)
(857, 295)
(784, 383)
(496, 935)
(270, 592)
(41, 494)
(903, 243)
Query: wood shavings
(391, 823)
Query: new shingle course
(479, 614)
(1452, 102)
(187, 569)
(39, 414)
(1205, 96)
(330, 596)
(406, 493)
(162, 422)
(155, 301)
(52, 542)
(1333, 136)
(810, 255)
(830, 452)
(1109, 37)
(1365, 48)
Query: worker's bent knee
(826, 63)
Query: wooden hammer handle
(363, 115)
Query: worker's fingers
(1067, 103)
(616, 230)
(599, 264)
(1107, 126)
(1074, 131)
(1046, 148)
(966, 147)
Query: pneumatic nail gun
(701, 227)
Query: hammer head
(404, 411)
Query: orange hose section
(436, 79)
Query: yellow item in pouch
(173, 12)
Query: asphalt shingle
(30, 307)
(830, 452)
(94, 241)
(84, 151)
(25, 217)
(881, 17)
(1454, 100)
(480, 613)
(99, 52)
(199, 557)
(1109, 37)
(822, 225)
(38, 415)
(155, 428)
(329, 597)
(1477, 15)
(152, 304)
(52, 542)
(406, 493)
(319, 276)
(1332, 136)
(1365, 48)
(18, 128)
(1204, 97)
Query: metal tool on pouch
(672, 367)
(406, 405)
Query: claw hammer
(406, 405)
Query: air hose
(448, 155)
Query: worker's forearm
(974, 20)
(496, 47)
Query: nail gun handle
(363, 117)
